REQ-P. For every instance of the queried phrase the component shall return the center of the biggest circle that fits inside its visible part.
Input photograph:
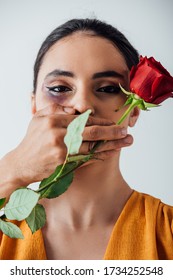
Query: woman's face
(83, 72)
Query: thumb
(54, 109)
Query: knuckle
(94, 133)
(49, 122)
(99, 121)
(123, 142)
(116, 132)
(54, 138)
(57, 120)
(114, 144)
(118, 144)
(59, 155)
(62, 122)
(90, 121)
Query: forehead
(83, 52)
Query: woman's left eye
(109, 89)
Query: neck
(97, 194)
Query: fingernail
(128, 140)
(69, 110)
(124, 131)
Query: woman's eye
(58, 89)
(109, 89)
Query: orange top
(143, 231)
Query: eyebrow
(104, 74)
(59, 72)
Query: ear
(33, 103)
(134, 116)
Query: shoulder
(144, 230)
(149, 201)
(156, 211)
(150, 221)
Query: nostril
(80, 112)
(77, 112)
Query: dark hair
(98, 28)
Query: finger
(55, 115)
(111, 148)
(112, 132)
(87, 146)
(99, 121)
(116, 144)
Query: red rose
(151, 81)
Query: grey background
(147, 165)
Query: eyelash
(60, 89)
(111, 89)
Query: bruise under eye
(57, 93)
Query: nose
(83, 101)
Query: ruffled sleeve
(164, 232)
(143, 231)
(30, 248)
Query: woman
(79, 67)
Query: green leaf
(150, 105)
(83, 158)
(57, 188)
(20, 204)
(54, 177)
(2, 201)
(37, 218)
(73, 138)
(10, 229)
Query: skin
(88, 206)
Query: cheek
(41, 102)
(112, 108)
(114, 116)
(118, 116)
